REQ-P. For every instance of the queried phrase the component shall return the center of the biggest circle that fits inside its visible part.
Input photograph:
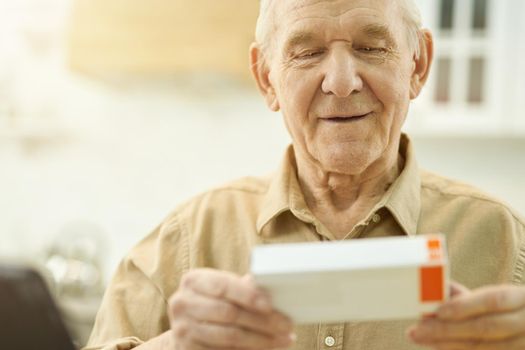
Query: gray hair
(411, 16)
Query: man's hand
(487, 318)
(219, 310)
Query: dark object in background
(29, 318)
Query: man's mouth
(346, 118)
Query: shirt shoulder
(249, 185)
(486, 234)
(218, 226)
(219, 203)
(447, 189)
(244, 193)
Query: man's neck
(341, 201)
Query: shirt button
(329, 341)
(376, 218)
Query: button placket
(331, 336)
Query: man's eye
(310, 54)
(367, 49)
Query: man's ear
(261, 73)
(422, 63)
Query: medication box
(355, 280)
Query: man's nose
(341, 75)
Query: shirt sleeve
(519, 270)
(133, 309)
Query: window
(443, 80)
(476, 80)
(461, 69)
(446, 15)
(479, 18)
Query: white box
(354, 280)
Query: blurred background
(112, 112)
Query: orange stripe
(431, 283)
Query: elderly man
(343, 74)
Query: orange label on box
(431, 283)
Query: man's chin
(346, 161)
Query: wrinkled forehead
(291, 16)
(331, 8)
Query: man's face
(341, 73)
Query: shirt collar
(402, 198)
(277, 198)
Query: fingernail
(286, 340)
(412, 333)
(429, 316)
(417, 337)
(284, 324)
(262, 303)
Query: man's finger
(486, 300)
(226, 285)
(508, 344)
(220, 336)
(457, 289)
(498, 326)
(208, 309)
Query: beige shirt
(219, 228)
